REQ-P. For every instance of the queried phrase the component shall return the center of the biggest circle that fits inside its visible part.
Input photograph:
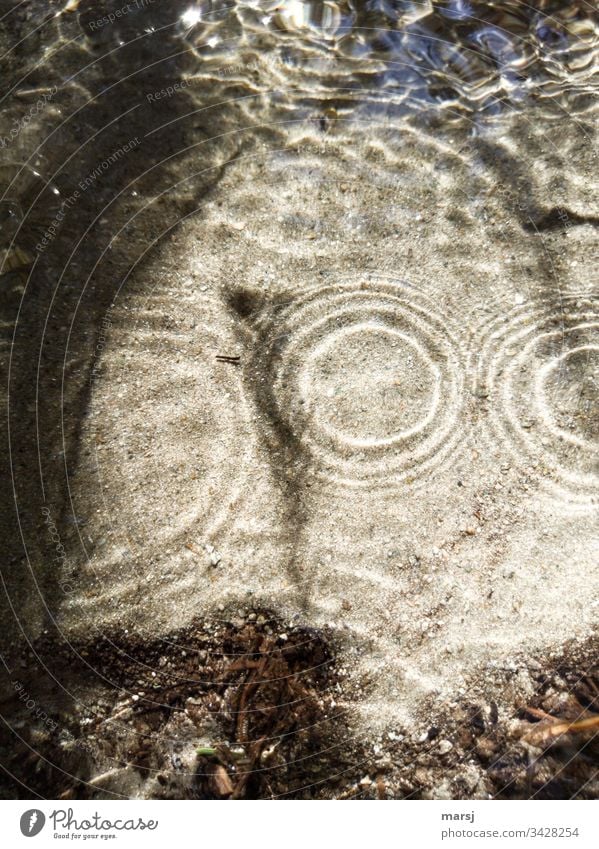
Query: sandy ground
(315, 361)
(405, 450)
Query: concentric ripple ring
(370, 379)
(537, 367)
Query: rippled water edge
(525, 162)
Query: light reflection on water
(394, 174)
(187, 71)
(474, 55)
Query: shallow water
(383, 214)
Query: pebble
(444, 747)
(213, 554)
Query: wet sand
(326, 358)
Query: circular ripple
(369, 379)
(162, 448)
(370, 385)
(539, 369)
(568, 388)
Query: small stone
(215, 558)
(444, 747)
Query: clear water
(387, 212)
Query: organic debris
(238, 709)
(562, 745)
(551, 729)
(253, 707)
(271, 694)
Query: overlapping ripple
(370, 378)
(539, 369)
